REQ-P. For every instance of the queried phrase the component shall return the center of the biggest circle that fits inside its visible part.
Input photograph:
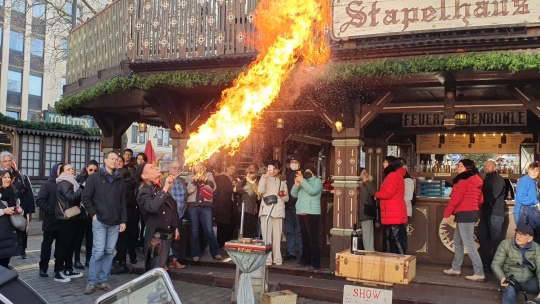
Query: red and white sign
(366, 295)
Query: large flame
(287, 31)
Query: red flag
(149, 151)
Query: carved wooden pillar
(346, 182)
(113, 127)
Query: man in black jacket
(22, 184)
(492, 216)
(160, 213)
(46, 200)
(292, 226)
(105, 201)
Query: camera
(511, 281)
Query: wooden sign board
(478, 118)
(354, 18)
(488, 144)
(361, 295)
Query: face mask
(295, 167)
(308, 175)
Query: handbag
(71, 212)
(17, 220)
(206, 192)
(269, 200)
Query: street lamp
(142, 127)
(280, 122)
(339, 126)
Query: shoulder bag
(272, 199)
(71, 212)
(17, 220)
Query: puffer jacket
(309, 196)
(508, 259)
(392, 198)
(466, 194)
(67, 198)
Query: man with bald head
(492, 214)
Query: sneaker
(72, 274)
(43, 273)
(119, 270)
(278, 263)
(78, 265)
(60, 277)
(218, 257)
(87, 264)
(89, 289)
(176, 264)
(24, 256)
(451, 272)
(104, 286)
(268, 263)
(476, 278)
(196, 259)
(133, 261)
(289, 257)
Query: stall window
(54, 152)
(95, 153)
(160, 137)
(166, 138)
(77, 154)
(30, 155)
(393, 151)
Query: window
(64, 49)
(160, 137)
(36, 47)
(77, 154)
(134, 134)
(0, 32)
(1, 2)
(13, 114)
(16, 41)
(38, 10)
(166, 138)
(35, 85)
(54, 152)
(68, 8)
(95, 152)
(32, 115)
(19, 5)
(142, 137)
(14, 81)
(63, 81)
(30, 148)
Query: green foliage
(394, 68)
(50, 126)
(512, 62)
(479, 159)
(142, 82)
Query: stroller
(14, 290)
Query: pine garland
(394, 68)
(50, 126)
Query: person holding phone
(273, 190)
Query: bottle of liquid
(422, 166)
(354, 240)
(447, 167)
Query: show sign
(354, 18)
(367, 295)
(492, 118)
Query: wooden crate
(279, 297)
(376, 266)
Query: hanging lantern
(280, 122)
(461, 118)
(143, 127)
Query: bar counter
(432, 241)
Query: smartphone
(270, 168)
(155, 286)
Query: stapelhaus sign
(354, 18)
(492, 118)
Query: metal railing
(159, 29)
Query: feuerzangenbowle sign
(354, 18)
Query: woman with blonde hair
(248, 193)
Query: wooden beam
(528, 99)
(321, 111)
(369, 112)
(430, 107)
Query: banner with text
(492, 118)
(354, 18)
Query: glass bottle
(354, 240)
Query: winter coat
(195, 198)
(67, 198)
(104, 196)
(308, 195)
(246, 193)
(271, 186)
(409, 193)
(526, 193)
(366, 191)
(494, 195)
(46, 201)
(466, 196)
(9, 240)
(391, 197)
(291, 175)
(24, 191)
(508, 259)
(223, 200)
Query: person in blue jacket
(526, 190)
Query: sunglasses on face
(92, 170)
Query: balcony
(148, 30)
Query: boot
(395, 238)
(120, 269)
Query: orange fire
(287, 31)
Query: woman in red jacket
(465, 204)
(393, 207)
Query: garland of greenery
(50, 126)
(394, 68)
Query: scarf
(68, 178)
(463, 175)
(110, 177)
(523, 250)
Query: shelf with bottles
(452, 175)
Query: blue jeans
(509, 292)
(105, 237)
(292, 229)
(202, 215)
(464, 237)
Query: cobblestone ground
(72, 292)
